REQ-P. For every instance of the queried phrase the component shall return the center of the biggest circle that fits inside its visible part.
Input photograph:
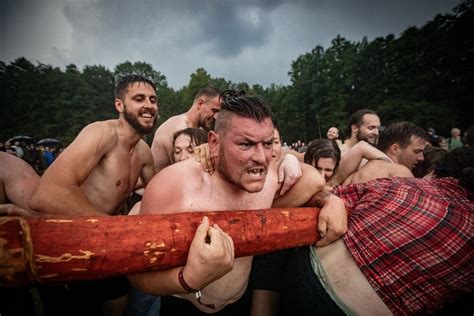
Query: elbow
(38, 202)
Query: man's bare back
(375, 169)
(162, 146)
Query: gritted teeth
(256, 170)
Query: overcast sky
(242, 41)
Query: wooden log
(75, 248)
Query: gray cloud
(250, 41)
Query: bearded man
(97, 171)
(202, 114)
(363, 125)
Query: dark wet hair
(124, 81)
(357, 119)
(322, 148)
(459, 164)
(400, 133)
(197, 135)
(235, 102)
(432, 155)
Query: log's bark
(76, 248)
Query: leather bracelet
(183, 283)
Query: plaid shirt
(412, 239)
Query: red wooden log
(75, 248)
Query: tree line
(424, 76)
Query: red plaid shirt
(412, 239)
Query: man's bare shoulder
(376, 169)
(174, 123)
(102, 135)
(173, 185)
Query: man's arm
(351, 161)
(310, 190)
(377, 169)
(333, 217)
(18, 181)
(301, 192)
(211, 253)
(148, 169)
(59, 191)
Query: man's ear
(119, 106)
(394, 149)
(354, 129)
(213, 140)
(200, 103)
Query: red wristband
(183, 283)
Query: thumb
(202, 230)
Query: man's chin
(253, 187)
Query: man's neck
(192, 117)
(128, 135)
(351, 141)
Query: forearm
(58, 200)
(158, 283)
(353, 158)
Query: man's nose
(258, 154)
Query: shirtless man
(363, 125)
(399, 148)
(18, 181)
(245, 178)
(202, 114)
(333, 134)
(97, 171)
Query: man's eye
(245, 145)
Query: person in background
(184, 142)
(425, 168)
(455, 140)
(363, 125)
(324, 155)
(202, 114)
(399, 149)
(333, 134)
(433, 138)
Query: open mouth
(257, 172)
(147, 115)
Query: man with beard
(97, 171)
(245, 178)
(202, 114)
(400, 147)
(95, 175)
(363, 125)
